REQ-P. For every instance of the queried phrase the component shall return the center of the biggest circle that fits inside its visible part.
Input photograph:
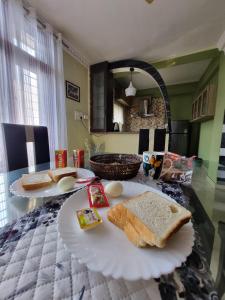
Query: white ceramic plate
(106, 249)
(49, 191)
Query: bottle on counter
(78, 158)
(61, 158)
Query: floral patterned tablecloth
(35, 265)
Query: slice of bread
(149, 219)
(59, 173)
(35, 181)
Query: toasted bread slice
(35, 181)
(59, 173)
(148, 219)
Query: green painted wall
(204, 145)
(210, 134)
(206, 129)
(175, 89)
(181, 107)
(117, 142)
(211, 73)
(77, 74)
(190, 58)
(217, 122)
(122, 142)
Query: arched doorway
(152, 71)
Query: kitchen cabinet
(101, 98)
(203, 107)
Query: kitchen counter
(116, 132)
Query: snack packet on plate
(176, 168)
(88, 218)
(96, 195)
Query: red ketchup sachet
(96, 195)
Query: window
(31, 73)
(28, 43)
(118, 113)
(31, 97)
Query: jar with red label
(78, 158)
(61, 158)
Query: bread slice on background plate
(149, 219)
(35, 181)
(59, 173)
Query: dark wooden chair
(159, 140)
(220, 279)
(15, 146)
(16, 137)
(143, 140)
(41, 144)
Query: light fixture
(149, 1)
(130, 91)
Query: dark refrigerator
(179, 138)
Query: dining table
(35, 264)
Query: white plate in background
(48, 191)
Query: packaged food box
(78, 158)
(96, 195)
(88, 218)
(61, 158)
(177, 168)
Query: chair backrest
(16, 138)
(15, 144)
(159, 140)
(143, 140)
(41, 144)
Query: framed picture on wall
(72, 91)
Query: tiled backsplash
(133, 120)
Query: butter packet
(88, 218)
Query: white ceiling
(191, 72)
(118, 29)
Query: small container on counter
(60, 158)
(96, 195)
(88, 218)
(78, 158)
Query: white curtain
(31, 74)
(118, 113)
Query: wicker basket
(115, 166)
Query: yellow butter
(88, 218)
